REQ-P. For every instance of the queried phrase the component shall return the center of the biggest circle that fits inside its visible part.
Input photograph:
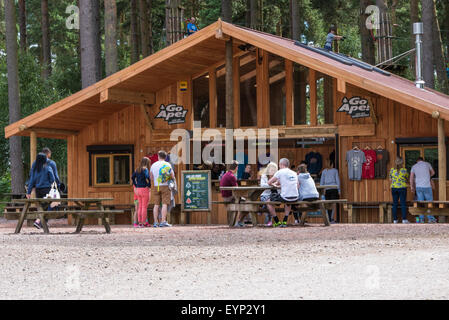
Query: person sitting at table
(247, 174)
(288, 181)
(266, 174)
(307, 187)
(42, 178)
(229, 179)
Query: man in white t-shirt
(420, 181)
(161, 173)
(289, 183)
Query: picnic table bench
(251, 203)
(98, 211)
(434, 208)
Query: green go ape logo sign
(356, 107)
(172, 113)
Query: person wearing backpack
(161, 173)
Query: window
(248, 91)
(301, 94)
(112, 170)
(221, 97)
(325, 99)
(201, 100)
(277, 90)
(110, 165)
(410, 154)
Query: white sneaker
(395, 221)
(405, 221)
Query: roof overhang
(193, 56)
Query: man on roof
(331, 37)
(191, 27)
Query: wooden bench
(254, 206)
(381, 206)
(425, 208)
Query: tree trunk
(23, 25)
(248, 14)
(295, 32)
(12, 61)
(134, 33)
(368, 47)
(97, 38)
(150, 26)
(254, 15)
(414, 17)
(46, 50)
(428, 61)
(143, 8)
(226, 10)
(110, 41)
(89, 38)
(438, 51)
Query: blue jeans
(399, 194)
(425, 194)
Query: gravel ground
(215, 262)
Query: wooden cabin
(112, 124)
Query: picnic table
(90, 207)
(251, 195)
(434, 208)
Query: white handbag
(54, 194)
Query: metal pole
(418, 30)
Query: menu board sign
(196, 191)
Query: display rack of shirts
(368, 166)
(314, 162)
(380, 167)
(355, 159)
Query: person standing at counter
(330, 176)
(420, 182)
(398, 179)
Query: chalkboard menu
(196, 191)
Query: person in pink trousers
(142, 184)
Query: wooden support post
(289, 112)
(442, 174)
(229, 85)
(350, 218)
(236, 92)
(213, 98)
(381, 213)
(263, 87)
(313, 98)
(33, 147)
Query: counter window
(428, 153)
(201, 100)
(248, 91)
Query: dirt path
(340, 262)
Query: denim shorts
(265, 198)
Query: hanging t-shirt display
(380, 167)
(368, 166)
(314, 162)
(355, 159)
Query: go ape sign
(356, 107)
(172, 113)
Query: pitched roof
(196, 54)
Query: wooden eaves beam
(50, 131)
(121, 96)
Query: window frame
(111, 169)
(110, 151)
